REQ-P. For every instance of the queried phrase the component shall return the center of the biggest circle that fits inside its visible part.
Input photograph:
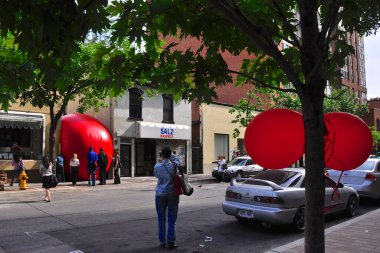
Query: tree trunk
(312, 108)
(53, 128)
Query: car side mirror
(340, 185)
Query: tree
(311, 27)
(245, 110)
(376, 139)
(78, 79)
(341, 100)
(257, 27)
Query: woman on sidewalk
(46, 169)
(166, 200)
(74, 168)
(116, 168)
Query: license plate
(245, 214)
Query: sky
(372, 65)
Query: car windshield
(276, 176)
(237, 162)
(367, 165)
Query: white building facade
(142, 125)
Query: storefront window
(23, 130)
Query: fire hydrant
(23, 179)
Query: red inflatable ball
(275, 139)
(78, 133)
(348, 141)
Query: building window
(167, 110)
(135, 104)
(377, 124)
(23, 130)
(221, 146)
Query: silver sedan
(365, 178)
(278, 197)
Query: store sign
(167, 133)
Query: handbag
(181, 182)
(187, 188)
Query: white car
(239, 167)
(365, 178)
(278, 197)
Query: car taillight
(270, 200)
(233, 195)
(370, 176)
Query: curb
(301, 241)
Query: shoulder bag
(181, 182)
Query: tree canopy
(315, 30)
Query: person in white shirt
(222, 166)
(46, 169)
(74, 168)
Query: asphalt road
(122, 218)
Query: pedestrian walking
(46, 170)
(102, 163)
(17, 163)
(166, 200)
(59, 162)
(116, 164)
(74, 169)
(92, 159)
(222, 166)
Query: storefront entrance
(125, 159)
(145, 157)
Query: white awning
(162, 131)
(22, 121)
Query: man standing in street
(92, 159)
(59, 168)
(102, 163)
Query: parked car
(278, 197)
(365, 178)
(239, 167)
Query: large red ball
(275, 139)
(78, 133)
(348, 141)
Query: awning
(162, 131)
(22, 121)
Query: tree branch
(287, 25)
(346, 89)
(261, 83)
(257, 36)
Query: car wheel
(352, 205)
(239, 176)
(299, 219)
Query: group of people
(94, 161)
(165, 170)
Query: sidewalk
(126, 182)
(357, 235)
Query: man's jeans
(91, 171)
(167, 204)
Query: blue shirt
(165, 180)
(92, 157)
(59, 161)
